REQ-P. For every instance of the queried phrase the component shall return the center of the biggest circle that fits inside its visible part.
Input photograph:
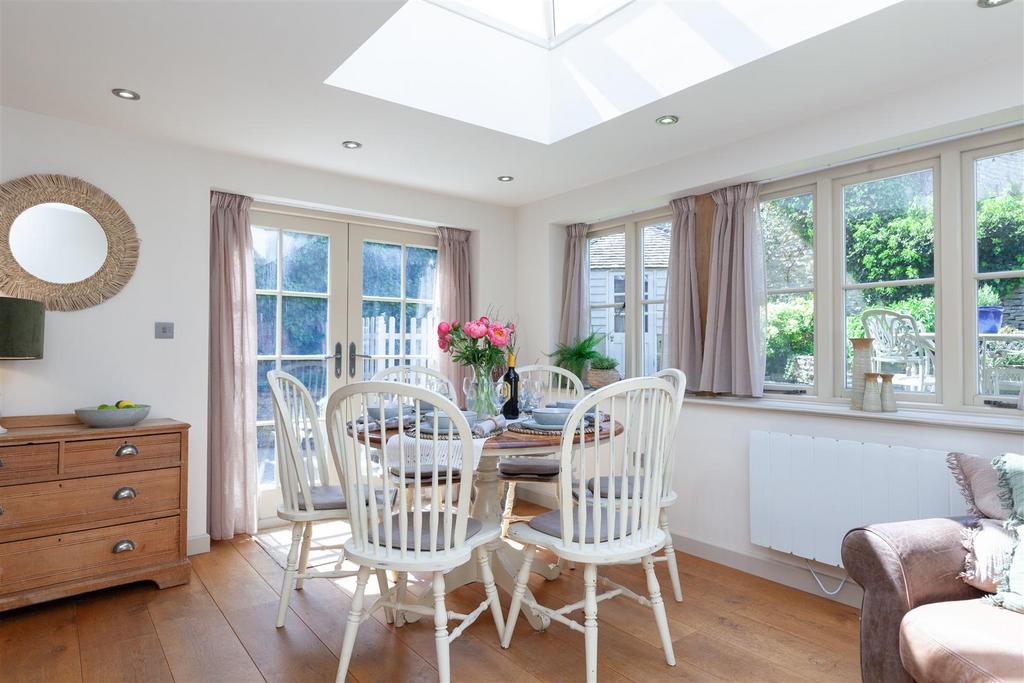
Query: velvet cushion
(962, 640)
(630, 482)
(422, 541)
(537, 467)
(331, 497)
(426, 474)
(550, 523)
(979, 484)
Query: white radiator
(806, 492)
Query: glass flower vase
(482, 397)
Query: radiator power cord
(821, 585)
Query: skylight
(547, 69)
(545, 23)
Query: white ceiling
(247, 77)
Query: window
(399, 323)
(291, 324)
(995, 315)
(888, 268)
(787, 228)
(655, 240)
(606, 254)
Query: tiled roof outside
(609, 251)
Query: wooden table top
(509, 440)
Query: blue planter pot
(990, 318)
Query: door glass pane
(305, 262)
(999, 193)
(313, 375)
(382, 329)
(382, 269)
(420, 272)
(420, 329)
(655, 243)
(266, 459)
(264, 399)
(266, 324)
(787, 225)
(303, 326)
(789, 339)
(1000, 340)
(889, 228)
(264, 249)
(653, 337)
(901, 320)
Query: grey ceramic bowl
(118, 417)
(555, 417)
(442, 419)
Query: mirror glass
(58, 242)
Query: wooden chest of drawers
(83, 509)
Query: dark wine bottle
(511, 408)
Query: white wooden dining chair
(308, 495)
(598, 523)
(430, 531)
(418, 376)
(558, 384)
(677, 378)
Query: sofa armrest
(902, 565)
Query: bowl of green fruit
(120, 414)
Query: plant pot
(602, 378)
(990, 319)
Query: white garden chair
(896, 338)
(418, 376)
(414, 536)
(558, 385)
(598, 523)
(307, 494)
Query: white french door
(336, 301)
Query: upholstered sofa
(918, 620)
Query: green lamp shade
(21, 329)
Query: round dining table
(505, 558)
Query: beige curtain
(733, 352)
(455, 298)
(575, 321)
(684, 339)
(231, 440)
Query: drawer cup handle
(1, 462)
(125, 493)
(126, 450)
(123, 546)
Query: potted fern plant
(603, 371)
(577, 356)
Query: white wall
(711, 517)
(108, 352)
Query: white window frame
(971, 277)
(637, 321)
(780, 192)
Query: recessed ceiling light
(667, 119)
(126, 94)
(985, 4)
(506, 178)
(351, 144)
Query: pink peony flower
(475, 329)
(443, 329)
(498, 335)
(485, 320)
(443, 342)
(511, 327)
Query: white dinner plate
(533, 424)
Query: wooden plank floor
(220, 627)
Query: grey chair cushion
(630, 482)
(550, 523)
(427, 474)
(536, 467)
(422, 541)
(331, 497)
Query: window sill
(982, 420)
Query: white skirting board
(197, 545)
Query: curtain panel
(231, 440)
(733, 353)
(575, 321)
(455, 299)
(684, 340)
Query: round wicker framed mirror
(63, 242)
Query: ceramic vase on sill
(861, 365)
(888, 393)
(872, 393)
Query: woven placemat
(443, 436)
(520, 429)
